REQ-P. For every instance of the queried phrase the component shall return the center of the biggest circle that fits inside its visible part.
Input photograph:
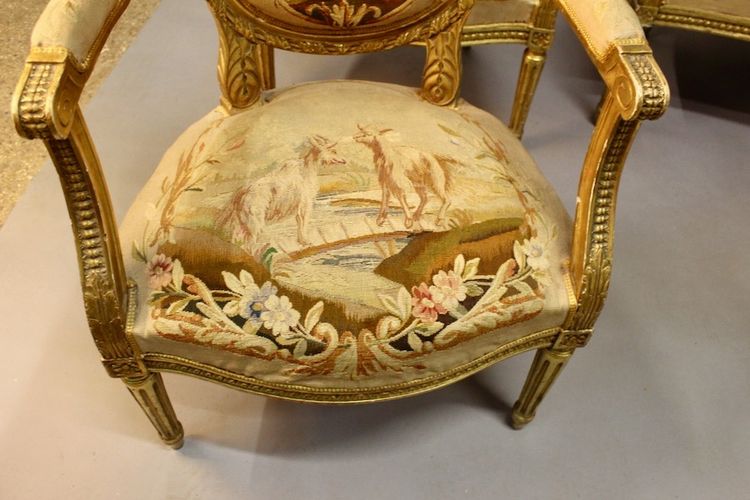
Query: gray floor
(655, 407)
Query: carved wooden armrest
(65, 44)
(612, 35)
(636, 91)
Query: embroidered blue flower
(254, 303)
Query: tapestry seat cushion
(346, 235)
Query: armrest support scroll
(65, 44)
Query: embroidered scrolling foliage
(256, 318)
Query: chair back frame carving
(246, 39)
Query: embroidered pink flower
(159, 271)
(448, 289)
(424, 307)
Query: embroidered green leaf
(222, 338)
(471, 269)
(232, 308)
(389, 303)
(267, 257)
(178, 306)
(210, 312)
(157, 296)
(429, 329)
(458, 311)
(232, 282)
(138, 254)
(414, 341)
(251, 327)
(458, 264)
(313, 316)
(168, 327)
(404, 303)
(300, 349)
(399, 306)
(474, 290)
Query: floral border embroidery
(253, 319)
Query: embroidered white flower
(251, 298)
(279, 315)
(448, 289)
(536, 253)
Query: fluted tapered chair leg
(547, 365)
(528, 79)
(151, 394)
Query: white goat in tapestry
(401, 168)
(288, 190)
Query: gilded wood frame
(537, 34)
(45, 106)
(657, 13)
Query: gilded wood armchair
(340, 241)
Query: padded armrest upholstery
(602, 24)
(76, 25)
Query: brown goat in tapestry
(401, 168)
